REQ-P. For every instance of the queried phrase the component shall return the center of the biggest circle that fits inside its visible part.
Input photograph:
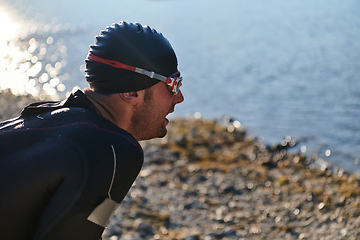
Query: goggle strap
(151, 74)
(120, 65)
(174, 82)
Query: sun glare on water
(10, 77)
(31, 59)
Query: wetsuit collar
(77, 99)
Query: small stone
(191, 237)
(113, 229)
(142, 226)
(188, 206)
(114, 237)
(229, 232)
(344, 232)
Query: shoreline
(206, 181)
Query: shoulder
(89, 124)
(79, 124)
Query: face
(149, 119)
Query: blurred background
(281, 69)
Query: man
(66, 166)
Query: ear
(130, 97)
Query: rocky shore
(11, 105)
(208, 180)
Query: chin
(159, 134)
(162, 133)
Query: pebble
(142, 227)
(191, 237)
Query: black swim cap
(134, 45)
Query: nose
(178, 98)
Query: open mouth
(166, 122)
(172, 109)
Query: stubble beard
(142, 126)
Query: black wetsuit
(64, 169)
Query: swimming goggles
(173, 82)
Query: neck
(109, 107)
(102, 109)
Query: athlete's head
(137, 67)
(134, 45)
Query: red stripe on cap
(112, 63)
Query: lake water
(281, 68)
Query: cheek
(164, 105)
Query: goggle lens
(173, 84)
